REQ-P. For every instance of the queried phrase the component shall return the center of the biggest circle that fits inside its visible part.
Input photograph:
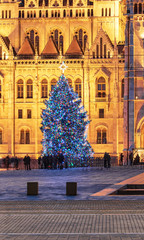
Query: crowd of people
(13, 160)
(52, 161)
(58, 161)
(44, 162)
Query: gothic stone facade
(89, 36)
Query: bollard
(32, 188)
(71, 188)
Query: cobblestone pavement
(72, 220)
(54, 216)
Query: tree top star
(63, 67)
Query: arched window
(29, 89)
(70, 13)
(135, 8)
(37, 43)
(64, 13)
(22, 14)
(70, 82)
(101, 136)
(46, 2)
(83, 13)
(101, 43)
(140, 8)
(81, 37)
(108, 54)
(0, 90)
(40, 2)
(44, 89)
(20, 89)
(22, 136)
(105, 51)
(102, 12)
(53, 83)
(97, 51)
(91, 12)
(28, 14)
(78, 87)
(9, 13)
(76, 13)
(0, 136)
(122, 89)
(101, 88)
(64, 2)
(106, 12)
(61, 43)
(25, 136)
(2, 13)
(58, 38)
(46, 13)
(34, 37)
(40, 14)
(19, 14)
(70, 2)
(109, 11)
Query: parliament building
(101, 42)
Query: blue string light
(64, 123)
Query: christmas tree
(64, 124)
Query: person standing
(105, 160)
(121, 158)
(16, 162)
(109, 160)
(7, 162)
(131, 158)
(39, 161)
(28, 162)
(25, 161)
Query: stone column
(129, 93)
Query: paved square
(53, 215)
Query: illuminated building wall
(134, 77)
(35, 37)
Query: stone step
(130, 192)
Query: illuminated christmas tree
(64, 124)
